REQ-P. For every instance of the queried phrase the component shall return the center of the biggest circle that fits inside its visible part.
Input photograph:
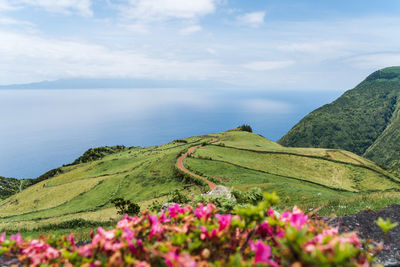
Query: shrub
(188, 179)
(202, 236)
(246, 128)
(125, 206)
(180, 141)
(93, 154)
(155, 206)
(252, 196)
(222, 202)
(178, 197)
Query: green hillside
(11, 186)
(312, 178)
(364, 120)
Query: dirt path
(179, 164)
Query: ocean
(44, 129)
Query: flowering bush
(186, 236)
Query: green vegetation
(364, 120)
(311, 178)
(324, 180)
(126, 207)
(245, 128)
(97, 153)
(178, 197)
(9, 186)
(85, 191)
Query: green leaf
(386, 225)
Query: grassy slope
(364, 120)
(308, 177)
(138, 174)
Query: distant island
(91, 83)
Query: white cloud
(268, 65)
(312, 47)
(211, 51)
(136, 27)
(5, 5)
(11, 21)
(375, 60)
(82, 7)
(262, 106)
(254, 19)
(26, 58)
(156, 10)
(191, 29)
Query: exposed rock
(221, 190)
(364, 224)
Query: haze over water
(43, 129)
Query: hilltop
(364, 120)
(331, 180)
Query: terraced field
(323, 179)
(86, 190)
(307, 176)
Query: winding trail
(179, 164)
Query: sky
(267, 45)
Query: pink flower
(40, 253)
(124, 223)
(52, 253)
(85, 251)
(71, 239)
(224, 221)
(263, 253)
(164, 218)
(106, 234)
(296, 218)
(326, 232)
(134, 249)
(128, 234)
(103, 235)
(142, 264)
(175, 210)
(204, 211)
(156, 226)
(351, 238)
(271, 212)
(3, 237)
(309, 247)
(205, 234)
(173, 259)
(264, 230)
(127, 221)
(17, 238)
(117, 246)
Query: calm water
(43, 129)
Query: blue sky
(264, 44)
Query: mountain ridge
(364, 120)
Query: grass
(364, 120)
(137, 174)
(322, 179)
(291, 191)
(307, 177)
(317, 170)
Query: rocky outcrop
(364, 224)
